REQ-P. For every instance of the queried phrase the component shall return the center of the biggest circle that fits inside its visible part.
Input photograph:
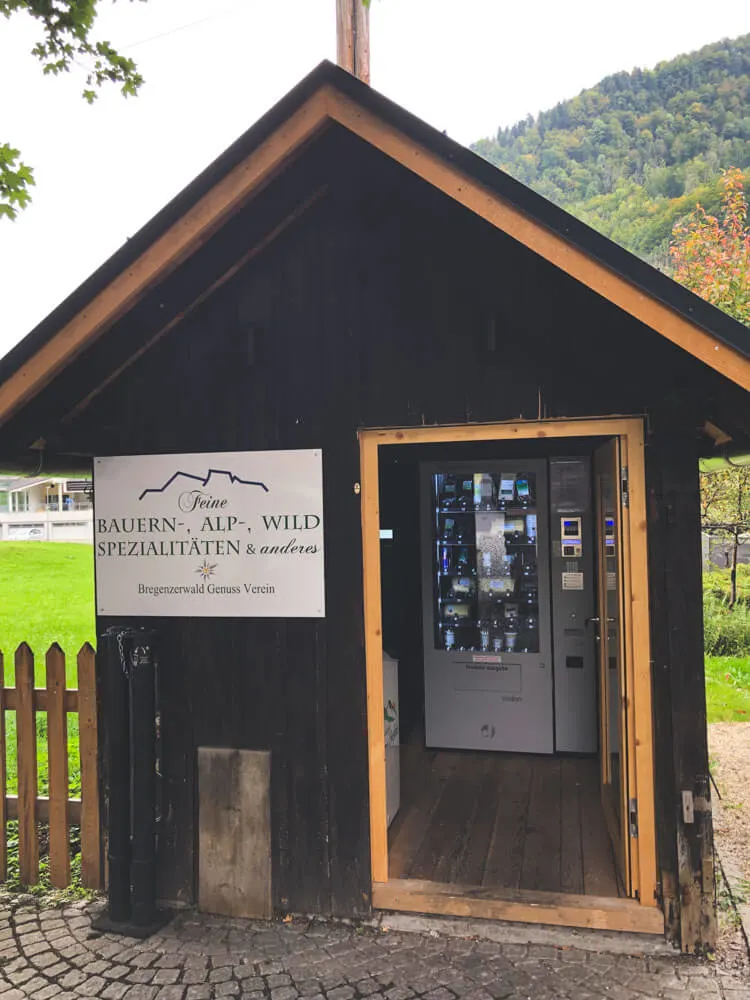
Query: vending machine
(505, 608)
(573, 605)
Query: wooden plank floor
(513, 821)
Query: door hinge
(625, 487)
(633, 817)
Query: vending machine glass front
(487, 642)
(486, 593)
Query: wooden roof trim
(249, 177)
(542, 241)
(163, 255)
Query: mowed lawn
(728, 688)
(46, 596)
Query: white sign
(572, 581)
(228, 535)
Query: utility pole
(353, 38)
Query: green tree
(66, 40)
(660, 136)
(711, 256)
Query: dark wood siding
(685, 850)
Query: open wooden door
(611, 624)
(626, 722)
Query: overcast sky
(212, 68)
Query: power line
(180, 27)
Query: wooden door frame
(639, 914)
(617, 817)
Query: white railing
(53, 505)
(47, 525)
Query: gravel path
(729, 751)
(46, 954)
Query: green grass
(728, 688)
(726, 631)
(46, 596)
(716, 582)
(727, 646)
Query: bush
(726, 631)
(716, 581)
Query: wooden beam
(353, 38)
(43, 808)
(665, 804)
(57, 743)
(518, 430)
(89, 819)
(717, 435)
(345, 35)
(362, 41)
(28, 840)
(683, 565)
(40, 696)
(370, 501)
(638, 663)
(525, 906)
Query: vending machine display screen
(485, 562)
(609, 535)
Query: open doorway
(502, 572)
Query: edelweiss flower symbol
(206, 569)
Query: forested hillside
(637, 151)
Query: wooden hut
(474, 371)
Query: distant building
(717, 550)
(46, 510)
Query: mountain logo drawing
(203, 480)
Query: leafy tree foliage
(635, 153)
(711, 256)
(66, 40)
(15, 178)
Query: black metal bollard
(129, 675)
(116, 713)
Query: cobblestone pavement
(46, 953)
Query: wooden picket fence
(57, 809)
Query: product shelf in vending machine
(485, 536)
(482, 582)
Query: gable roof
(18, 485)
(331, 95)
